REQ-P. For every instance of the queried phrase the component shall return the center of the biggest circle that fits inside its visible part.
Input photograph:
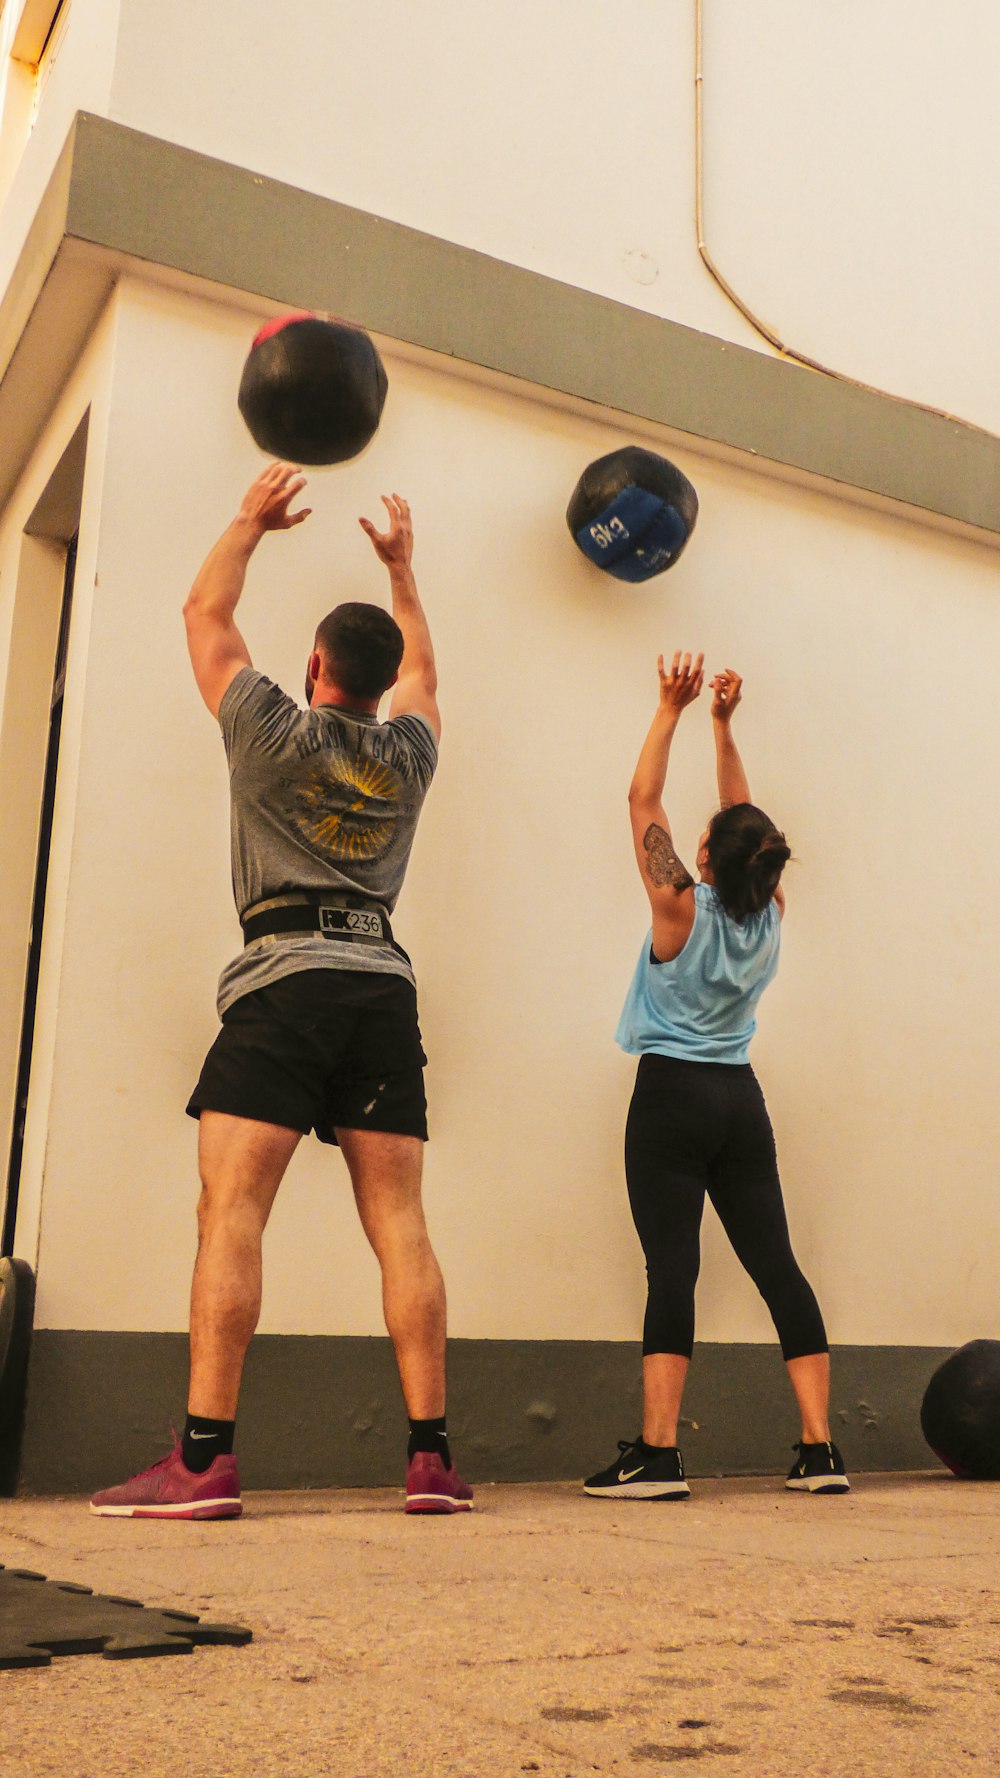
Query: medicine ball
(312, 391)
(632, 512)
(960, 1413)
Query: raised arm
(415, 691)
(218, 651)
(667, 881)
(734, 785)
(732, 778)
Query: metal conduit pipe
(759, 326)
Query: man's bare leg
(386, 1175)
(242, 1164)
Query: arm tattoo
(662, 863)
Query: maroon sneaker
(430, 1488)
(169, 1490)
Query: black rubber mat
(40, 1618)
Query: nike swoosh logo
(204, 1435)
(623, 1477)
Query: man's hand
(395, 546)
(415, 691)
(218, 651)
(726, 687)
(266, 501)
(682, 684)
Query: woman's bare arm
(663, 874)
(730, 772)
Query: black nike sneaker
(818, 1469)
(641, 1474)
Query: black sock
(429, 1435)
(204, 1440)
(655, 1450)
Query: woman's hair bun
(747, 854)
(772, 851)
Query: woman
(697, 1122)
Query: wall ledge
(120, 200)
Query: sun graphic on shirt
(340, 806)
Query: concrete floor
(749, 1630)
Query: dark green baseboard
(325, 1411)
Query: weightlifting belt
(331, 914)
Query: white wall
(86, 392)
(868, 736)
(850, 151)
(79, 80)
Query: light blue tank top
(701, 1005)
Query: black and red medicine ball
(960, 1413)
(632, 512)
(312, 391)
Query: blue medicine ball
(632, 513)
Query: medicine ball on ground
(312, 391)
(632, 513)
(960, 1414)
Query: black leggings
(703, 1126)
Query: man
(319, 1013)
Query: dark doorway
(38, 908)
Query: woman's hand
(725, 687)
(681, 685)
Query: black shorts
(320, 1049)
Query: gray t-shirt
(325, 798)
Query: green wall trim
(119, 197)
(325, 1411)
